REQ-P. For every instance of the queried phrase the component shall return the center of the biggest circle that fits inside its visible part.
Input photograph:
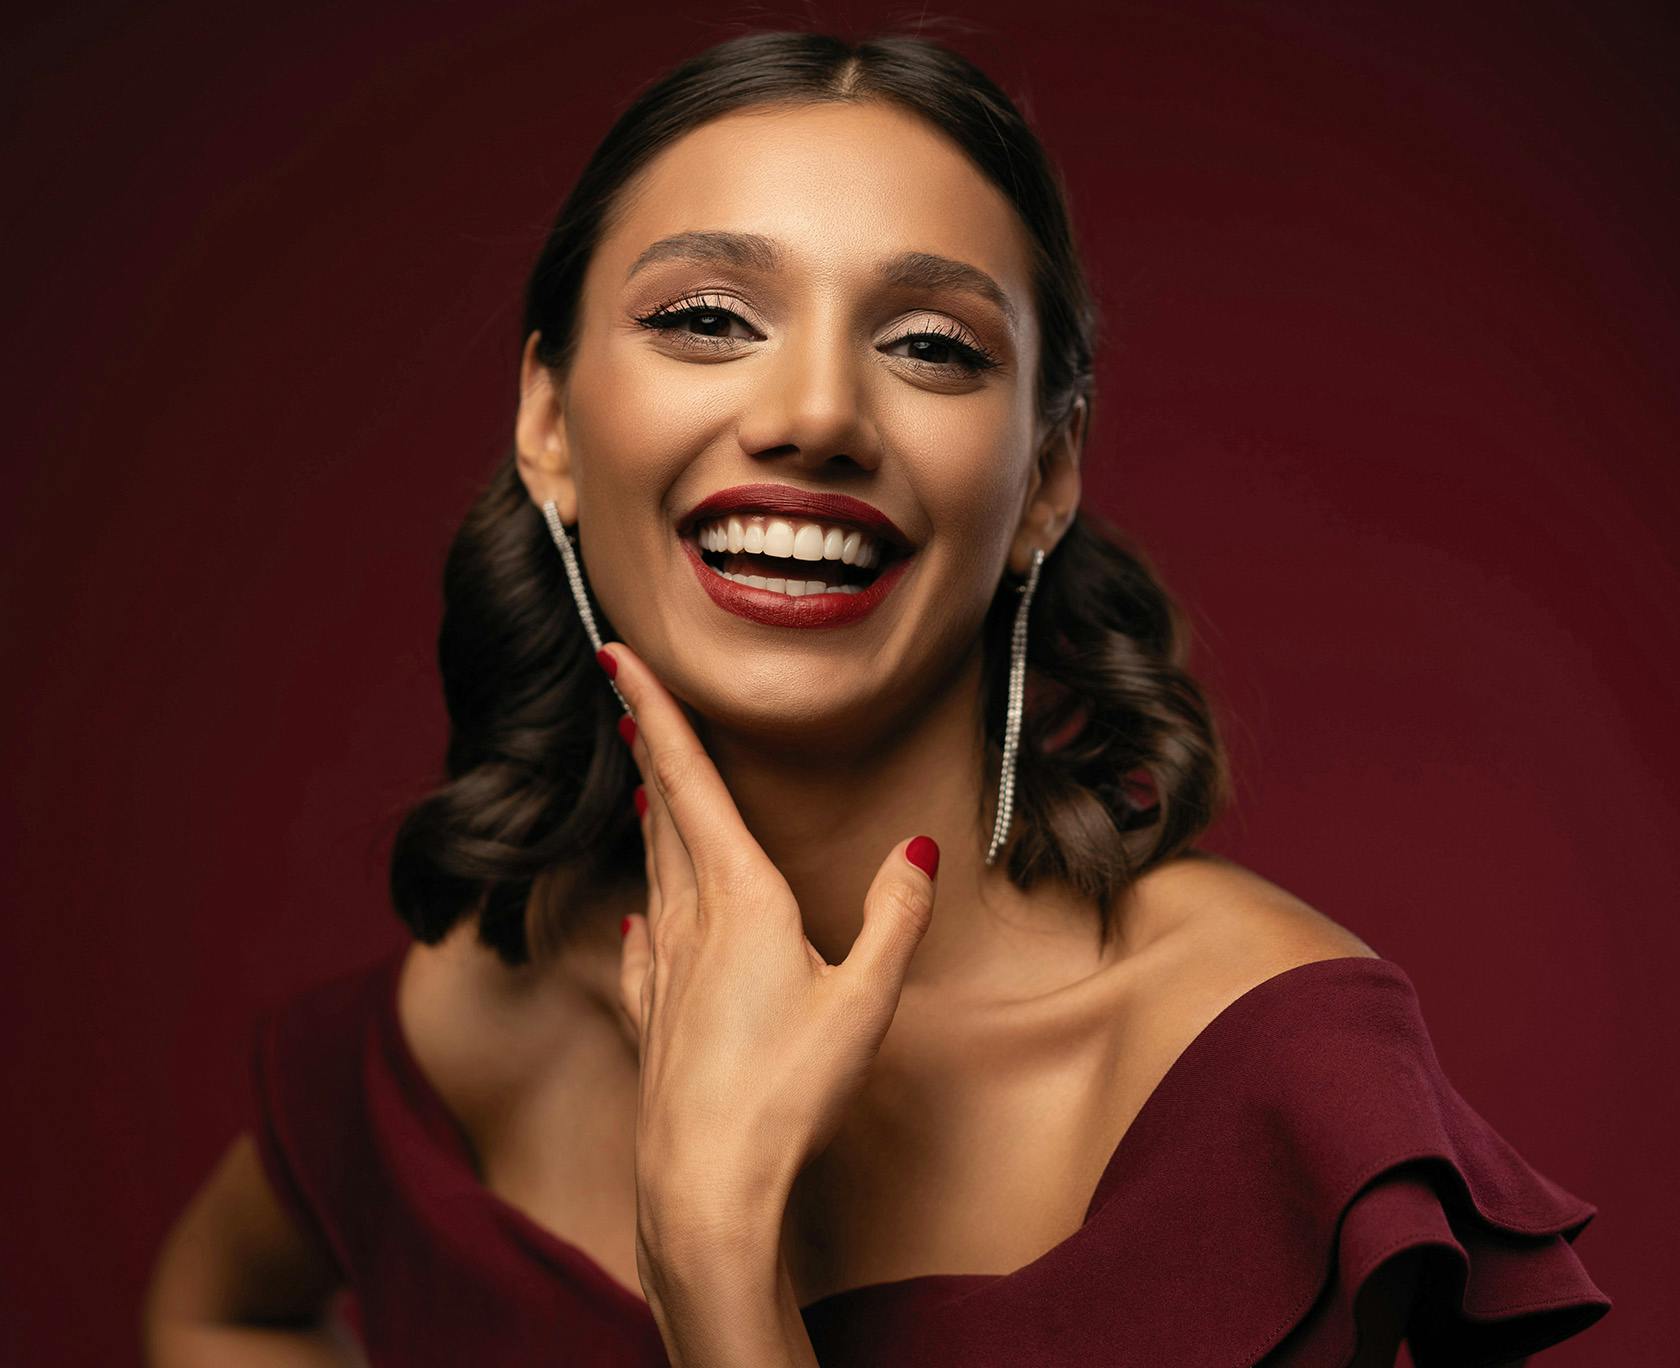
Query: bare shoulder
(1196, 934)
(1217, 929)
(487, 1034)
(462, 1024)
(1207, 903)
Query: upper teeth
(779, 537)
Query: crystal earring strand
(1017, 705)
(574, 573)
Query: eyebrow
(754, 251)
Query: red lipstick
(816, 505)
(773, 609)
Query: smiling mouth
(792, 556)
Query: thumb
(897, 911)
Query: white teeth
(778, 585)
(808, 542)
(757, 534)
(794, 588)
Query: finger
(673, 865)
(897, 910)
(675, 763)
(633, 966)
(650, 870)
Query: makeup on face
(809, 303)
(788, 557)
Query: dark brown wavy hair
(1120, 765)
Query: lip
(771, 609)
(816, 505)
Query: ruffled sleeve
(1490, 1291)
(1303, 1140)
(1334, 1143)
(1387, 1157)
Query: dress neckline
(442, 1123)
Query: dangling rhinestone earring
(1017, 705)
(574, 574)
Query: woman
(930, 1037)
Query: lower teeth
(792, 588)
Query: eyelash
(975, 359)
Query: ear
(1053, 493)
(540, 437)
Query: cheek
(983, 505)
(628, 435)
(633, 425)
(969, 470)
(971, 504)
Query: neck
(828, 816)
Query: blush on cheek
(626, 458)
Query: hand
(751, 1045)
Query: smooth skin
(751, 1046)
(986, 1054)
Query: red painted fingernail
(603, 658)
(627, 729)
(923, 852)
(641, 801)
(624, 927)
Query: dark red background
(1389, 394)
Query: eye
(928, 347)
(935, 348)
(675, 319)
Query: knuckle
(905, 902)
(727, 876)
(664, 938)
(673, 771)
(720, 874)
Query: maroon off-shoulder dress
(1305, 1136)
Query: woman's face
(787, 343)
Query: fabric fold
(1305, 1137)
(1387, 1156)
(1487, 1292)
(284, 1117)
(1302, 1140)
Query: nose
(811, 408)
